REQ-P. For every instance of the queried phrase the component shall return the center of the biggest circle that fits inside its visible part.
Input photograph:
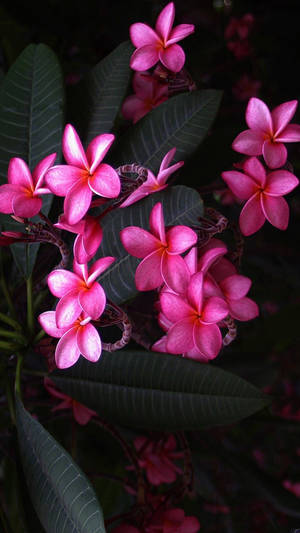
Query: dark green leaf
(31, 122)
(62, 496)
(160, 391)
(181, 205)
(181, 122)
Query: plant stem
(30, 317)
(13, 335)
(9, 346)
(10, 321)
(34, 372)
(18, 375)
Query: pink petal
(142, 35)
(77, 202)
(240, 184)
(157, 223)
(275, 154)
(164, 175)
(180, 239)
(105, 181)
(175, 272)
(258, 116)
(139, 242)
(253, 167)
(195, 291)
(252, 217)
(164, 322)
(19, 173)
(47, 321)
(61, 178)
(89, 342)
(160, 345)
(280, 182)
(165, 21)
(97, 149)
(174, 307)
(93, 301)
(92, 235)
(290, 134)
(25, 207)
(82, 272)
(72, 148)
(82, 414)
(60, 282)
(68, 309)
(180, 32)
(7, 194)
(148, 274)
(249, 142)
(211, 288)
(142, 84)
(172, 57)
(67, 351)
(75, 228)
(134, 108)
(79, 251)
(191, 524)
(180, 336)
(222, 269)
(243, 309)
(276, 211)
(41, 169)
(282, 115)
(144, 58)
(210, 257)
(235, 287)
(140, 193)
(98, 267)
(214, 310)
(208, 339)
(190, 260)
(167, 159)
(49, 386)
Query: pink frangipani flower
(173, 521)
(152, 183)
(194, 319)
(160, 251)
(81, 338)
(78, 291)
(268, 131)
(159, 45)
(21, 196)
(89, 237)
(149, 93)
(81, 413)
(263, 193)
(157, 457)
(84, 174)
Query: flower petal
(252, 217)
(275, 154)
(280, 182)
(41, 169)
(175, 272)
(72, 148)
(47, 321)
(290, 134)
(105, 181)
(253, 167)
(208, 339)
(25, 206)
(191, 259)
(7, 194)
(180, 336)
(93, 301)
(214, 310)
(195, 291)
(164, 175)
(134, 108)
(61, 178)
(67, 351)
(98, 267)
(160, 345)
(142, 35)
(139, 242)
(236, 286)
(240, 184)
(276, 211)
(157, 223)
(174, 307)
(60, 282)
(243, 309)
(249, 142)
(282, 115)
(180, 239)
(210, 257)
(180, 32)
(222, 269)
(165, 21)
(77, 202)
(258, 116)
(144, 58)
(19, 173)
(89, 342)
(148, 273)
(97, 149)
(68, 310)
(172, 57)
(82, 414)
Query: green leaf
(181, 205)
(62, 496)
(181, 122)
(160, 391)
(98, 98)
(31, 122)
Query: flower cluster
(236, 35)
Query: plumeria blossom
(21, 196)
(268, 132)
(157, 459)
(173, 521)
(194, 319)
(81, 413)
(263, 193)
(152, 183)
(79, 338)
(159, 44)
(84, 174)
(149, 93)
(89, 237)
(78, 291)
(160, 251)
